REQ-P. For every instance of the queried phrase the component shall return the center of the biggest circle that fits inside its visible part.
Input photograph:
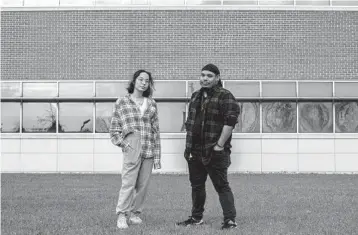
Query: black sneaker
(229, 224)
(190, 221)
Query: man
(213, 113)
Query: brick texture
(175, 44)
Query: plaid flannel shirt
(221, 109)
(126, 119)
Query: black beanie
(211, 68)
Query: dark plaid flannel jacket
(221, 109)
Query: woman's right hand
(128, 148)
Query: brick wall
(175, 44)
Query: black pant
(217, 170)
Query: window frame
(334, 99)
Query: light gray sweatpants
(136, 172)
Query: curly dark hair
(149, 91)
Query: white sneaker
(122, 221)
(134, 219)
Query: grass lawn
(266, 204)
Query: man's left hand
(217, 148)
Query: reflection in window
(171, 117)
(76, 117)
(37, 89)
(10, 89)
(316, 117)
(10, 117)
(76, 89)
(279, 117)
(347, 117)
(103, 117)
(169, 89)
(111, 89)
(39, 117)
(249, 118)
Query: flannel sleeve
(188, 116)
(116, 130)
(230, 109)
(156, 130)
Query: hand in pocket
(217, 148)
(132, 151)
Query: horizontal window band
(181, 99)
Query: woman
(135, 128)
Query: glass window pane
(344, 2)
(12, 3)
(10, 89)
(316, 117)
(312, 2)
(171, 117)
(203, 2)
(279, 117)
(169, 89)
(277, 2)
(249, 118)
(10, 117)
(120, 2)
(76, 117)
(240, 2)
(346, 89)
(167, 2)
(192, 87)
(37, 3)
(315, 89)
(139, 2)
(76, 2)
(347, 117)
(37, 89)
(243, 89)
(103, 117)
(111, 89)
(278, 89)
(78, 89)
(39, 117)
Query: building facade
(292, 65)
